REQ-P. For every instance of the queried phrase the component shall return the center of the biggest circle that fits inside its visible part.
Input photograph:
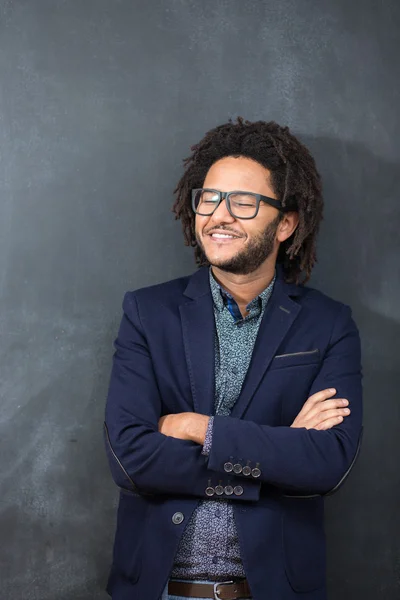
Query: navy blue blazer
(163, 364)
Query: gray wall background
(99, 102)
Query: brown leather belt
(220, 590)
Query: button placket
(212, 542)
(227, 391)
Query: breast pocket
(296, 359)
(292, 375)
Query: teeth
(221, 235)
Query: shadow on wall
(359, 263)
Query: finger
(329, 423)
(316, 399)
(335, 403)
(331, 414)
(322, 395)
(323, 407)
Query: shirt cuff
(208, 439)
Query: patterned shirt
(209, 548)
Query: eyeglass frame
(225, 196)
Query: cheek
(200, 223)
(252, 231)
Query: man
(235, 397)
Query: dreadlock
(294, 178)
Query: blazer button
(210, 491)
(219, 490)
(256, 472)
(246, 471)
(177, 518)
(228, 466)
(238, 490)
(228, 490)
(237, 468)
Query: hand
(185, 426)
(320, 413)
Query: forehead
(231, 173)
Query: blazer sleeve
(304, 460)
(141, 458)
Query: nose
(222, 214)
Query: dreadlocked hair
(294, 178)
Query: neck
(244, 288)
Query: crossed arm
(164, 456)
(319, 412)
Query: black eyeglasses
(241, 205)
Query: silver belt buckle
(217, 591)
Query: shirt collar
(220, 295)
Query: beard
(252, 257)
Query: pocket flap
(296, 358)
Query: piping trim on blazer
(117, 459)
(341, 481)
(316, 351)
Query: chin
(220, 261)
(229, 265)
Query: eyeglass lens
(241, 204)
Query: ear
(287, 226)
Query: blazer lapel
(279, 315)
(198, 328)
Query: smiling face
(253, 241)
